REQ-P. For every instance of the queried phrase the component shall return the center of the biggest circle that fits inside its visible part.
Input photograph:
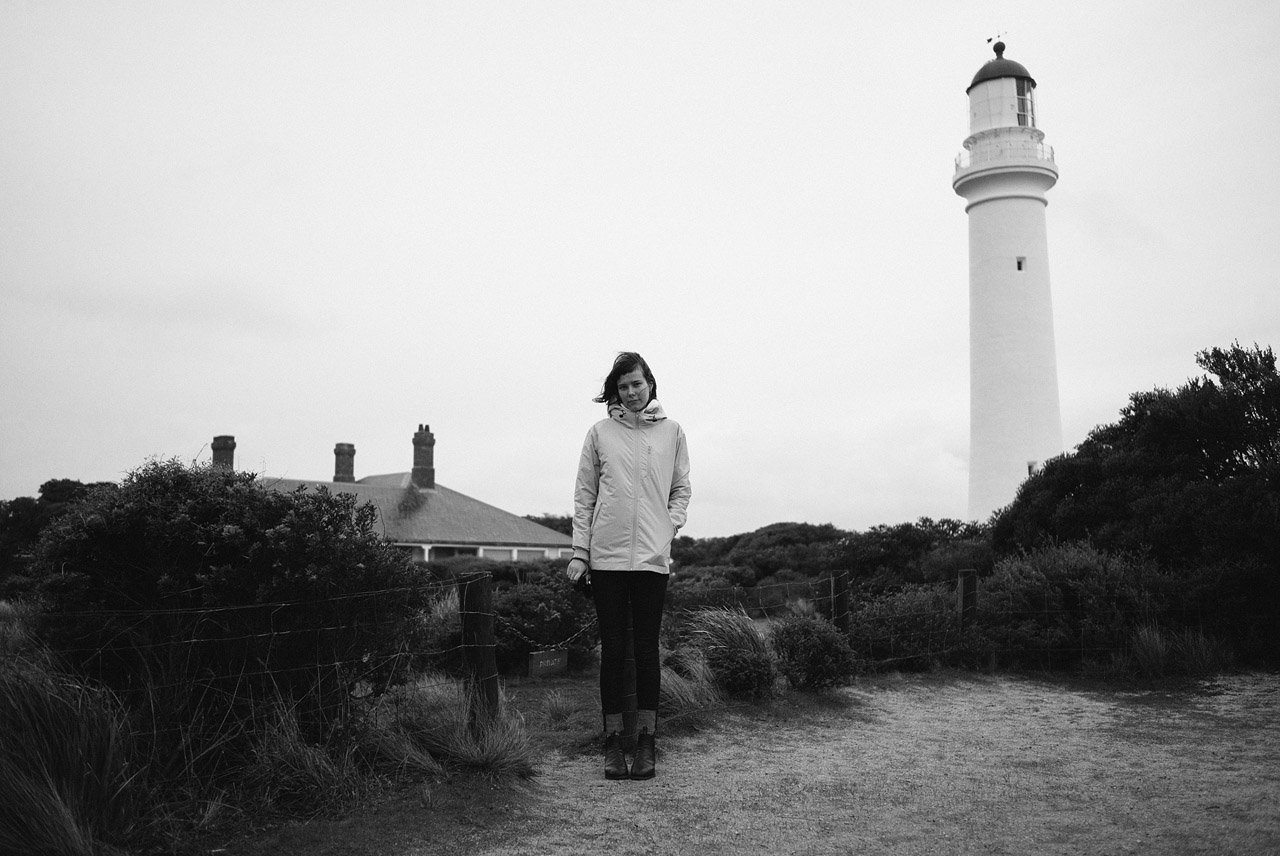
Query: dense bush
(926, 551)
(1189, 478)
(704, 592)
(23, 518)
(203, 595)
(913, 626)
(803, 547)
(812, 653)
(544, 613)
(1061, 605)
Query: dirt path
(904, 765)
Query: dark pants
(638, 595)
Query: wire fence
(349, 628)
(355, 647)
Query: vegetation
(70, 780)
(246, 633)
(24, 518)
(812, 653)
(1189, 479)
(200, 642)
(736, 652)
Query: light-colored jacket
(632, 492)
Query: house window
(1022, 262)
(438, 553)
(497, 555)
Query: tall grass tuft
(559, 709)
(67, 782)
(17, 638)
(736, 650)
(1199, 654)
(434, 715)
(688, 684)
(1152, 653)
(1157, 653)
(287, 771)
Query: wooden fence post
(475, 603)
(966, 597)
(840, 601)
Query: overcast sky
(310, 223)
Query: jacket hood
(652, 412)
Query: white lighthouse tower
(1003, 173)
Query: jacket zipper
(635, 491)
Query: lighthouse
(1003, 174)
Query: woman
(630, 500)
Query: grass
(68, 782)
(688, 685)
(736, 650)
(434, 714)
(727, 629)
(1156, 653)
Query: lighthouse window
(1022, 262)
(1026, 103)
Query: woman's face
(633, 390)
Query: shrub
(1058, 606)
(910, 627)
(736, 652)
(200, 596)
(692, 593)
(812, 653)
(541, 615)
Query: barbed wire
(903, 639)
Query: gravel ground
(929, 764)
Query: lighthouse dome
(1000, 67)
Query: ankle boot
(644, 766)
(615, 762)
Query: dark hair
(627, 361)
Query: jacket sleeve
(681, 490)
(586, 488)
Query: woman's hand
(577, 567)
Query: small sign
(547, 663)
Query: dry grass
(727, 630)
(67, 782)
(897, 765)
(688, 685)
(434, 714)
(1156, 653)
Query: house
(426, 519)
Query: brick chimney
(344, 462)
(424, 470)
(224, 452)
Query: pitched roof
(435, 515)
